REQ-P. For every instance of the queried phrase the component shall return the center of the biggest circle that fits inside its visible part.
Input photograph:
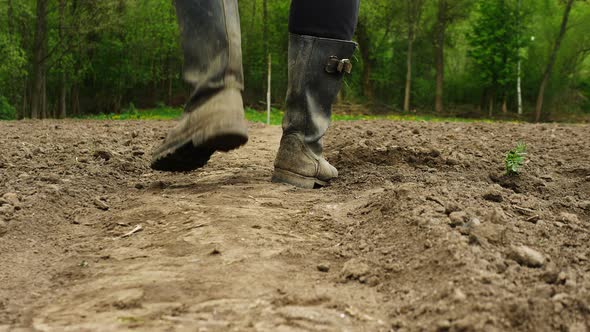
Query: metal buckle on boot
(336, 65)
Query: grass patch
(159, 113)
(276, 116)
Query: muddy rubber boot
(316, 70)
(214, 115)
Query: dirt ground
(421, 232)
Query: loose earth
(421, 232)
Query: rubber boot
(214, 115)
(316, 70)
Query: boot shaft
(211, 40)
(316, 70)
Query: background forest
(469, 58)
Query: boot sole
(306, 182)
(187, 156)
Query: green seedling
(515, 159)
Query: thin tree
(265, 38)
(39, 56)
(10, 17)
(552, 58)
(519, 66)
(61, 113)
(414, 12)
(368, 62)
(439, 54)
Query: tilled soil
(421, 232)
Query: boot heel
(282, 176)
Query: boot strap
(336, 65)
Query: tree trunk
(365, 49)
(265, 28)
(75, 100)
(44, 110)
(552, 59)
(170, 90)
(246, 38)
(409, 68)
(414, 14)
(367, 82)
(505, 104)
(39, 53)
(23, 113)
(12, 95)
(519, 88)
(519, 65)
(61, 109)
(10, 16)
(492, 98)
(482, 100)
(439, 46)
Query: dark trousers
(211, 40)
(324, 18)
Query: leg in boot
(214, 115)
(316, 68)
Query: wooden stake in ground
(268, 89)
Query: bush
(585, 96)
(7, 111)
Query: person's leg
(334, 19)
(214, 115)
(319, 56)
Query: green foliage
(7, 111)
(13, 59)
(515, 159)
(113, 52)
(495, 43)
(12, 69)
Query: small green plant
(515, 159)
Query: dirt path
(421, 232)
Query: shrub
(7, 111)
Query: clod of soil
(6, 209)
(494, 196)
(354, 269)
(323, 267)
(103, 154)
(526, 256)
(3, 227)
(569, 218)
(458, 218)
(10, 198)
